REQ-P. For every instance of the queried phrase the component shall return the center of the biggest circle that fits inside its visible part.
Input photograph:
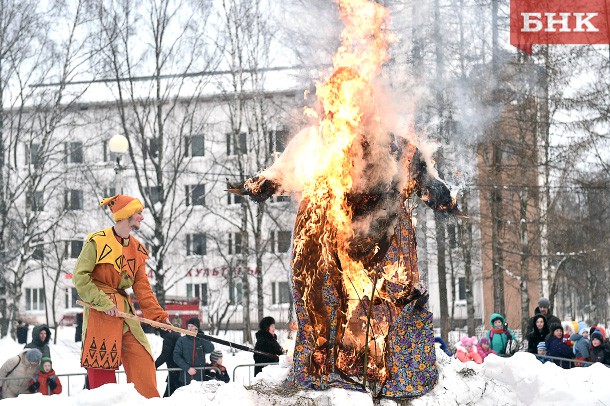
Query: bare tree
(160, 58)
(255, 126)
(31, 143)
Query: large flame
(349, 128)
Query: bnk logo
(559, 22)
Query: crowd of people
(113, 260)
(568, 345)
(31, 370)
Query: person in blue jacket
(555, 347)
(501, 338)
(189, 354)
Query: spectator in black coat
(41, 335)
(189, 354)
(544, 308)
(78, 328)
(22, 332)
(557, 348)
(167, 357)
(266, 341)
(539, 330)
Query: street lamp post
(119, 145)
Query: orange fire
(349, 124)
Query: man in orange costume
(111, 261)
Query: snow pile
(519, 380)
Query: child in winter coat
(555, 347)
(216, 361)
(466, 350)
(483, 348)
(500, 336)
(568, 330)
(45, 381)
(581, 345)
(541, 348)
(598, 351)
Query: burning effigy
(361, 311)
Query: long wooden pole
(171, 327)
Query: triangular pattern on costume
(142, 249)
(119, 262)
(103, 350)
(131, 264)
(105, 252)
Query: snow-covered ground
(519, 380)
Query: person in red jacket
(45, 381)
(466, 350)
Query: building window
(279, 241)
(155, 194)
(234, 199)
(34, 299)
(109, 156)
(234, 243)
(73, 199)
(153, 147)
(32, 155)
(280, 292)
(196, 244)
(195, 195)
(71, 298)
(74, 152)
(232, 140)
(195, 146)
(38, 251)
(461, 288)
(199, 290)
(280, 199)
(34, 201)
(278, 140)
(73, 248)
(235, 293)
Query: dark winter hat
(215, 356)
(544, 302)
(266, 322)
(556, 326)
(597, 334)
(194, 321)
(484, 340)
(33, 355)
